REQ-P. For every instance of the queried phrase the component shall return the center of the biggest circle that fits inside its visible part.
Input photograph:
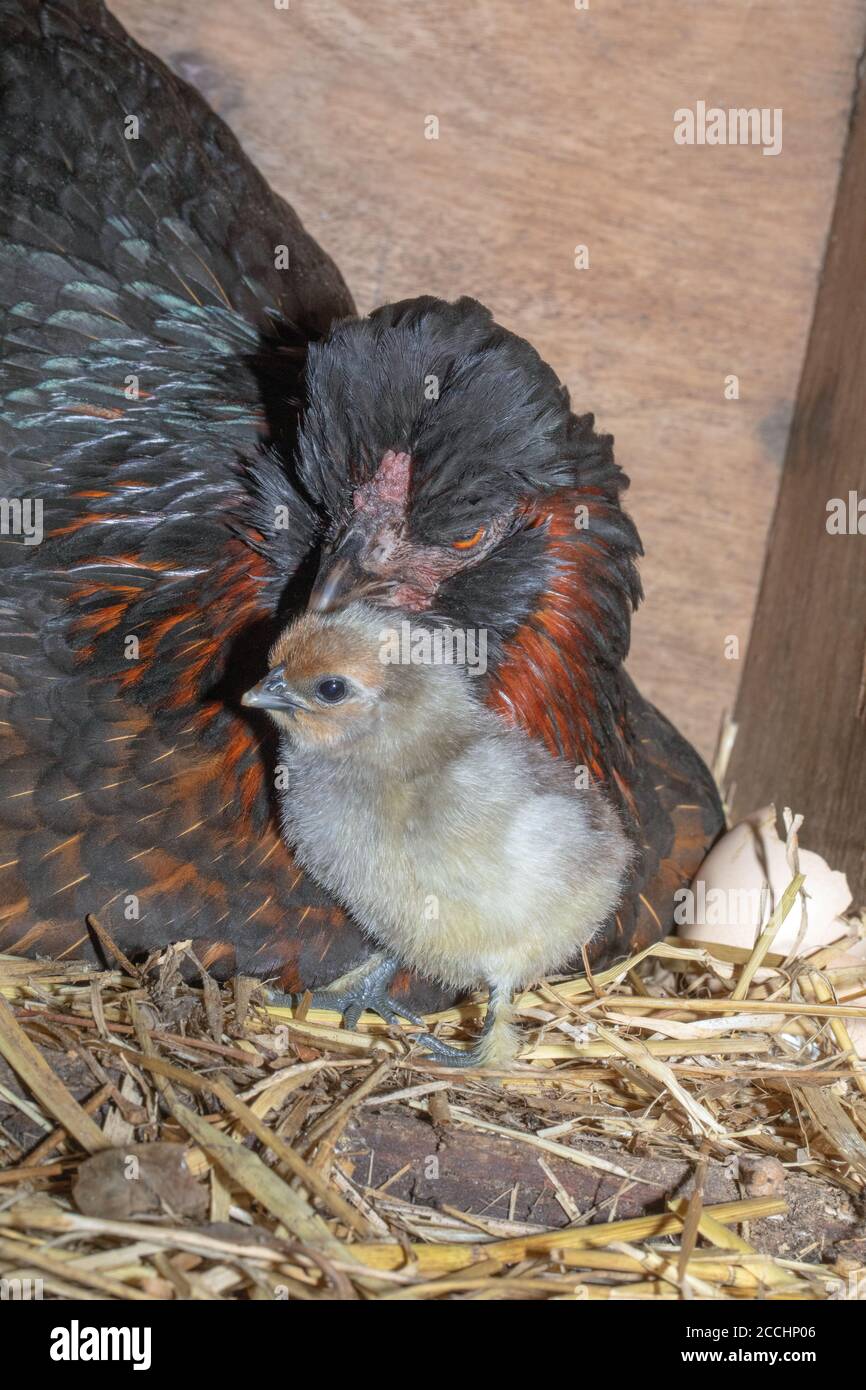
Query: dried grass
(724, 1059)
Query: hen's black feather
(151, 346)
(150, 395)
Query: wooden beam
(801, 707)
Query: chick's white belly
(463, 945)
(510, 933)
(493, 902)
(511, 901)
(501, 921)
(408, 910)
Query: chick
(458, 843)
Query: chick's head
(328, 684)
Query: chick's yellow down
(465, 850)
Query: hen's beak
(272, 693)
(343, 578)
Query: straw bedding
(689, 1124)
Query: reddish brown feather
(543, 674)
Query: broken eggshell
(723, 902)
(851, 991)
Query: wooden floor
(556, 130)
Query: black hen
(158, 306)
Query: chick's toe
(353, 994)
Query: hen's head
(451, 478)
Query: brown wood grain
(457, 1167)
(556, 129)
(802, 704)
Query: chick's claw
(438, 1051)
(493, 1044)
(378, 1001)
(352, 994)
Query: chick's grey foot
(474, 1056)
(435, 1050)
(365, 987)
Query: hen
(200, 434)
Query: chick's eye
(470, 541)
(331, 690)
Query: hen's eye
(470, 541)
(331, 690)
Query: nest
(691, 1123)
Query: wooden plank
(802, 705)
(556, 129)
(494, 1177)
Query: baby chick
(459, 845)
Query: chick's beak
(343, 577)
(272, 693)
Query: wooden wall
(802, 700)
(556, 129)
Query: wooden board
(802, 705)
(455, 1167)
(556, 129)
